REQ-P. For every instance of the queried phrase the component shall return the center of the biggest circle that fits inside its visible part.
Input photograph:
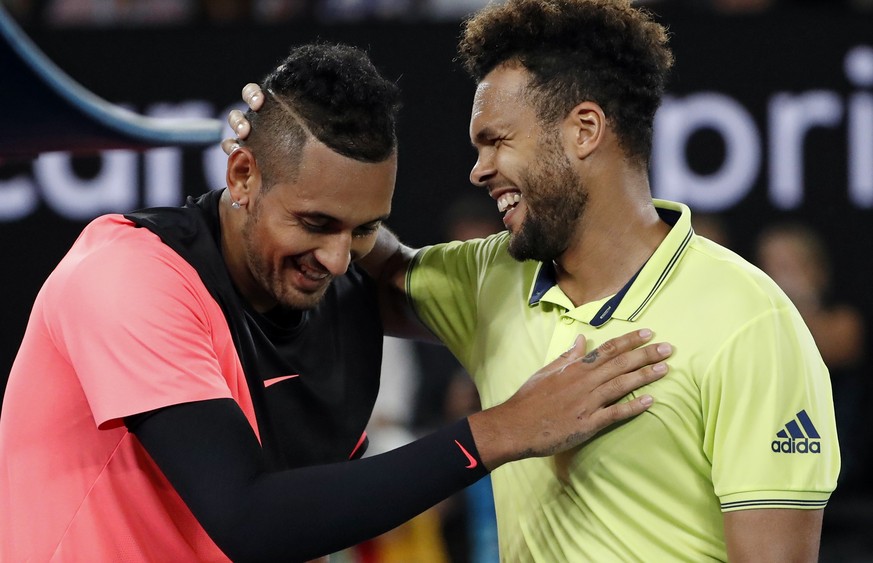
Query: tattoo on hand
(591, 357)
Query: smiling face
(300, 234)
(524, 168)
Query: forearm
(302, 513)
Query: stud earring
(235, 205)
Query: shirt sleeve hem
(799, 500)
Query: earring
(235, 205)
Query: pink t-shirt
(123, 325)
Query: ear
(243, 175)
(585, 128)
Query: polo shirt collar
(629, 302)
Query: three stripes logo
(797, 438)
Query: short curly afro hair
(330, 92)
(605, 51)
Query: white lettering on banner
(677, 120)
(163, 166)
(115, 187)
(790, 119)
(112, 189)
(19, 198)
(791, 116)
(858, 66)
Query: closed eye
(314, 227)
(365, 231)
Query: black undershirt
(210, 454)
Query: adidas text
(796, 446)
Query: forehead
(332, 184)
(500, 98)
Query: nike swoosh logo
(471, 459)
(275, 380)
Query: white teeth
(508, 200)
(311, 274)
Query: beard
(269, 279)
(555, 201)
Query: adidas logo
(797, 438)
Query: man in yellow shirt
(739, 455)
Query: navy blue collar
(547, 278)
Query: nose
(483, 169)
(336, 253)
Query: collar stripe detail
(673, 260)
(605, 312)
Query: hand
(570, 400)
(254, 97)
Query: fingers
(229, 145)
(241, 128)
(607, 351)
(617, 346)
(622, 411)
(617, 386)
(253, 95)
(238, 122)
(617, 367)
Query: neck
(233, 251)
(620, 230)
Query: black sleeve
(210, 454)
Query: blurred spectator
(336, 11)
(796, 258)
(450, 9)
(113, 12)
(105, 13)
(225, 11)
(742, 6)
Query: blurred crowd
(174, 12)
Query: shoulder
(114, 261)
(483, 250)
(721, 275)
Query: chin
(295, 299)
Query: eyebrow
(330, 218)
(483, 135)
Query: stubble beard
(268, 279)
(555, 200)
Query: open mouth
(309, 278)
(508, 201)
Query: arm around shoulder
(388, 264)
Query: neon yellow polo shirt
(744, 419)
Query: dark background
(749, 58)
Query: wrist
(494, 443)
